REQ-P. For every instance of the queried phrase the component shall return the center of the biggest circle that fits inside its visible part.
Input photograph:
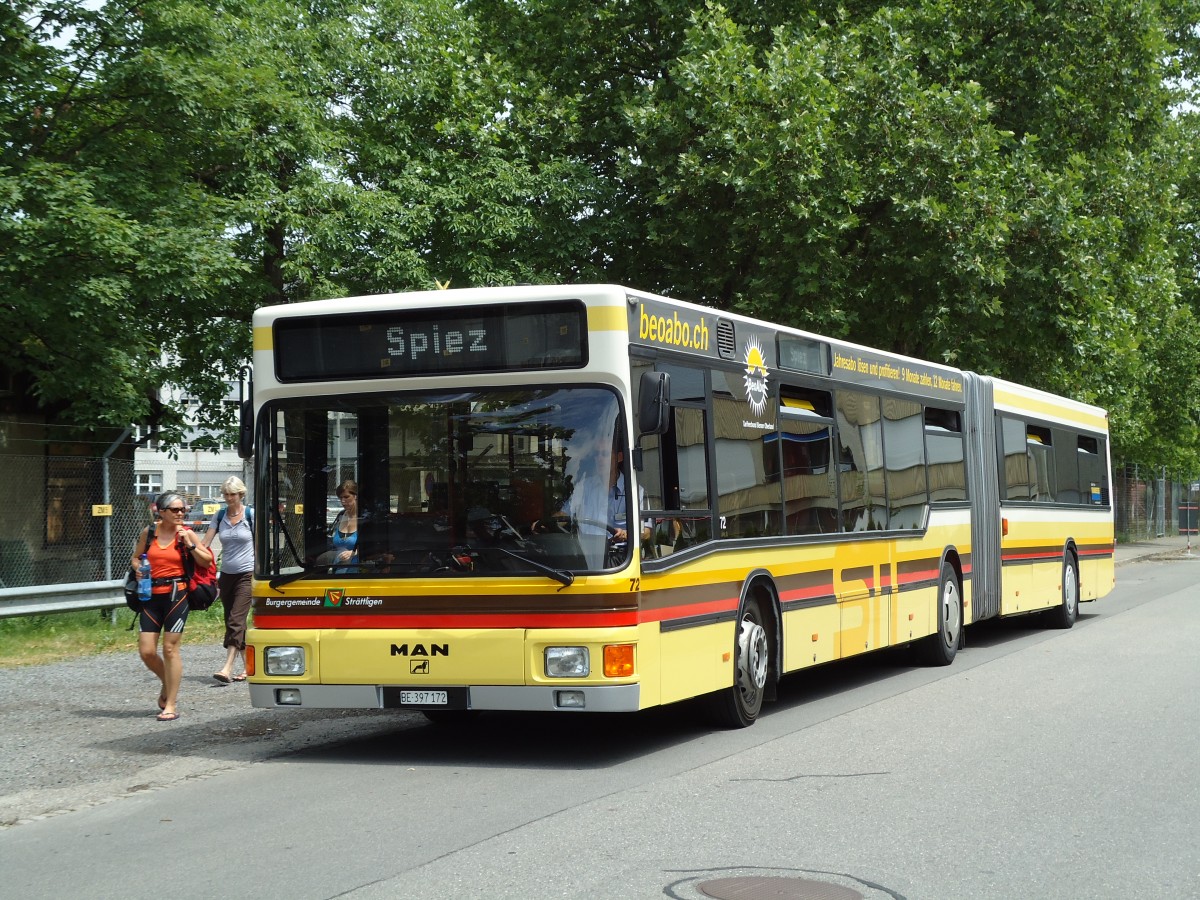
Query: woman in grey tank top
(234, 525)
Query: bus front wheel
(738, 706)
(940, 648)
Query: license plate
(396, 697)
(424, 698)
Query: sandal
(167, 717)
(239, 677)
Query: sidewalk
(1169, 547)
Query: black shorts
(165, 612)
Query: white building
(198, 474)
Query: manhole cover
(759, 888)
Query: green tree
(168, 168)
(439, 186)
(1007, 185)
(990, 184)
(112, 251)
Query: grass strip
(36, 640)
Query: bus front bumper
(517, 698)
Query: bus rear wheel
(1064, 615)
(940, 648)
(738, 706)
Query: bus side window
(1093, 473)
(685, 474)
(860, 436)
(805, 438)
(904, 452)
(1014, 473)
(1066, 466)
(946, 469)
(1039, 448)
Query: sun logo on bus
(334, 596)
(756, 376)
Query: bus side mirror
(654, 403)
(246, 430)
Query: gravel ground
(84, 732)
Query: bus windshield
(456, 484)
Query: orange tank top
(164, 563)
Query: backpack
(201, 580)
(132, 600)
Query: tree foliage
(1007, 185)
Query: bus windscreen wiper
(562, 576)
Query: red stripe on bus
(1046, 557)
(807, 593)
(448, 620)
(605, 619)
(690, 610)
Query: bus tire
(940, 648)
(738, 706)
(1064, 615)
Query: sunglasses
(178, 509)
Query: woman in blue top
(234, 527)
(345, 527)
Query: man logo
(418, 667)
(334, 596)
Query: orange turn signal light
(249, 657)
(618, 660)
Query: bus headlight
(283, 661)
(567, 662)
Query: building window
(200, 491)
(148, 483)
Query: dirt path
(84, 732)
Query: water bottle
(144, 579)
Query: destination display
(392, 343)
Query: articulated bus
(587, 498)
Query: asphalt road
(1041, 764)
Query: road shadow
(523, 740)
(996, 632)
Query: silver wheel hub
(752, 657)
(951, 613)
(1070, 588)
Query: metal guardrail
(52, 598)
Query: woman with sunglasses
(165, 613)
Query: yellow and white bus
(586, 498)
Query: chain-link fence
(1152, 502)
(50, 532)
